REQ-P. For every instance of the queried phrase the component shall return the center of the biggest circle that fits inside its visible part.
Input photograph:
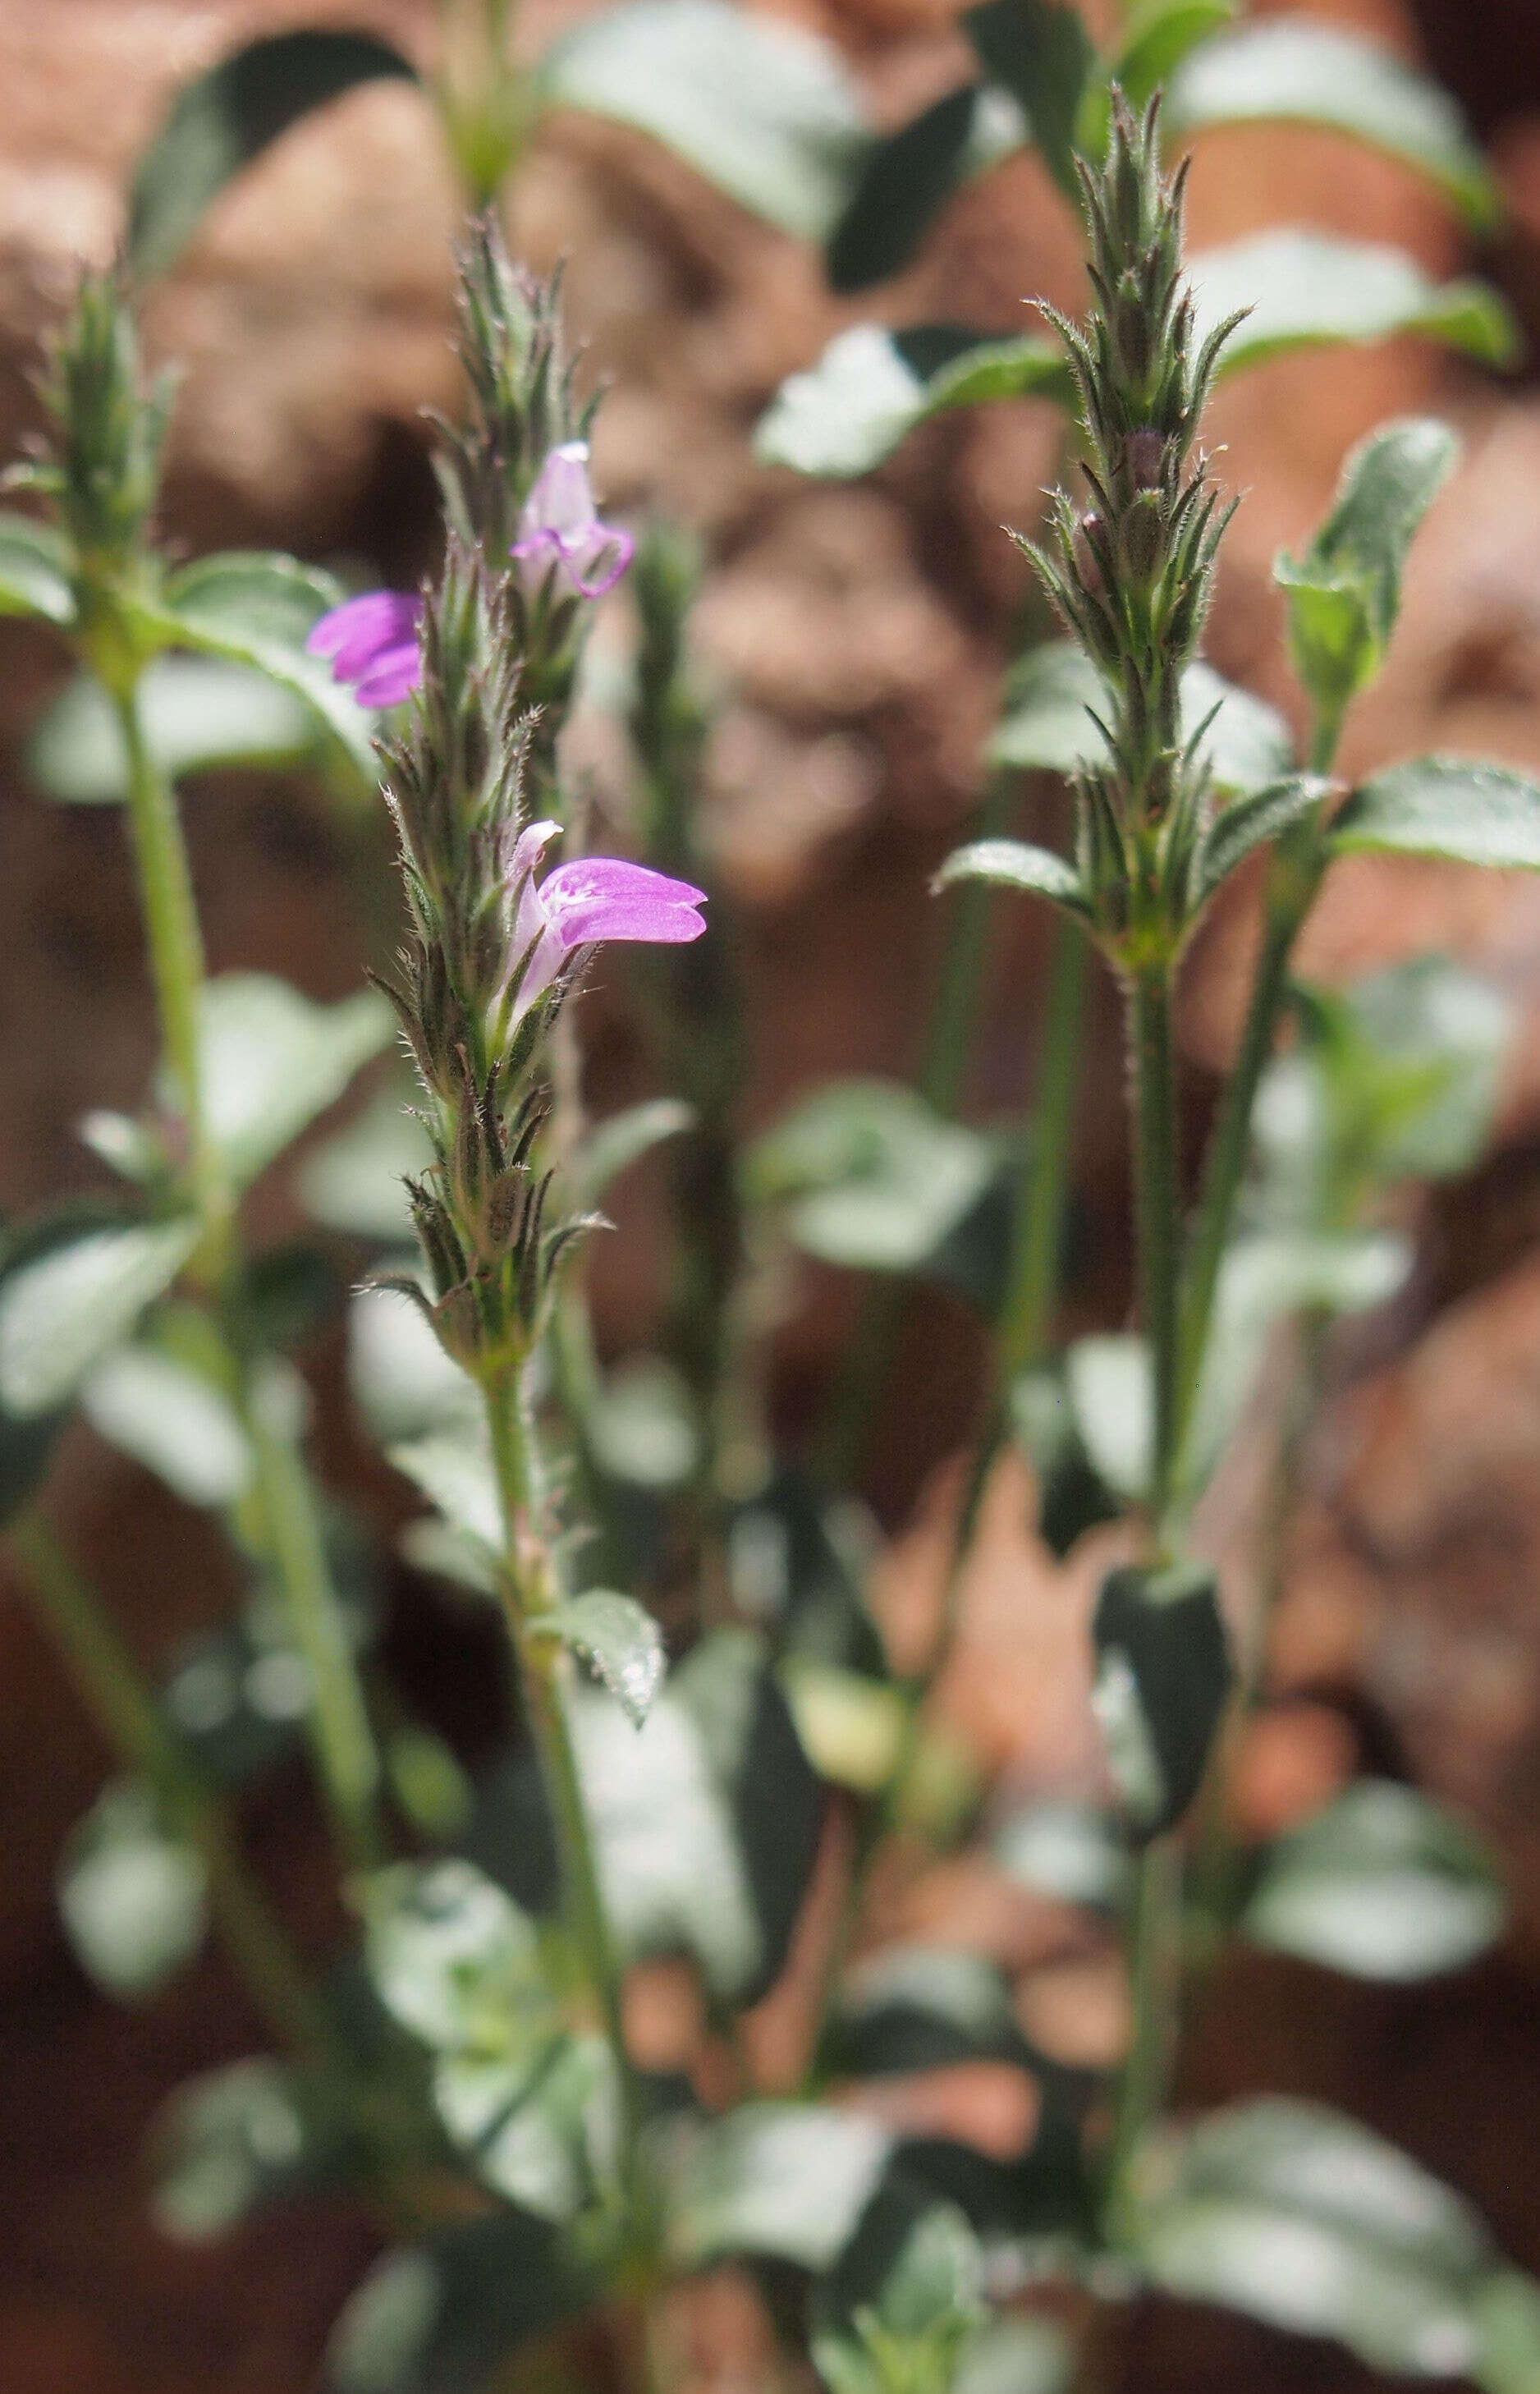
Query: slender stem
(1294, 877)
(529, 1589)
(176, 948)
(1038, 1231)
(1157, 1208)
(1156, 1980)
(344, 1745)
(345, 1754)
(116, 1691)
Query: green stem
(1294, 876)
(176, 948)
(344, 1745)
(1155, 1983)
(116, 1691)
(1038, 1234)
(1157, 1209)
(345, 1749)
(529, 1589)
(844, 1433)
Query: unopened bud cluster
(110, 421)
(1132, 571)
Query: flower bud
(1144, 455)
(1090, 535)
(1142, 536)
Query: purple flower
(372, 641)
(594, 897)
(560, 533)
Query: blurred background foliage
(850, 636)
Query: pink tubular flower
(560, 533)
(594, 897)
(372, 641)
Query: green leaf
(787, 2181)
(232, 2141)
(341, 730)
(1159, 41)
(1163, 1675)
(1462, 807)
(220, 122)
(850, 1723)
(447, 2314)
(872, 387)
(707, 1818)
(1297, 2215)
(35, 570)
(1072, 1495)
(453, 1467)
(1383, 1884)
(154, 1406)
(406, 1386)
(1308, 289)
(904, 182)
(454, 1960)
(239, 1697)
(197, 714)
(132, 1896)
(71, 1290)
(1014, 864)
(272, 1060)
(870, 1176)
(1344, 594)
(1040, 51)
(539, 2128)
(612, 1146)
(1295, 70)
(903, 2299)
(1439, 1036)
(356, 1181)
(254, 593)
(640, 1424)
(620, 1638)
(919, 2006)
(1046, 727)
(763, 110)
(1017, 2356)
(1266, 1276)
(1249, 823)
(1506, 2316)
(1107, 1378)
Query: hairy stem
(1157, 1210)
(176, 948)
(529, 1589)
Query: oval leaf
(1304, 289)
(70, 1294)
(34, 571)
(132, 1896)
(1456, 806)
(197, 714)
(1047, 726)
(1161, 40)
(1163, 1675)
(1299, 2217)
(619, 1638)
(259, 593)
(872, 387)
(1014, 864)
(902, 185)
(221, 121)
(450, 2312)
(1295, 70)
(272, 1060)
(1383, 1884)
(1248, 823)
(1040, 52)
(763, 110)
(781, 2180)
